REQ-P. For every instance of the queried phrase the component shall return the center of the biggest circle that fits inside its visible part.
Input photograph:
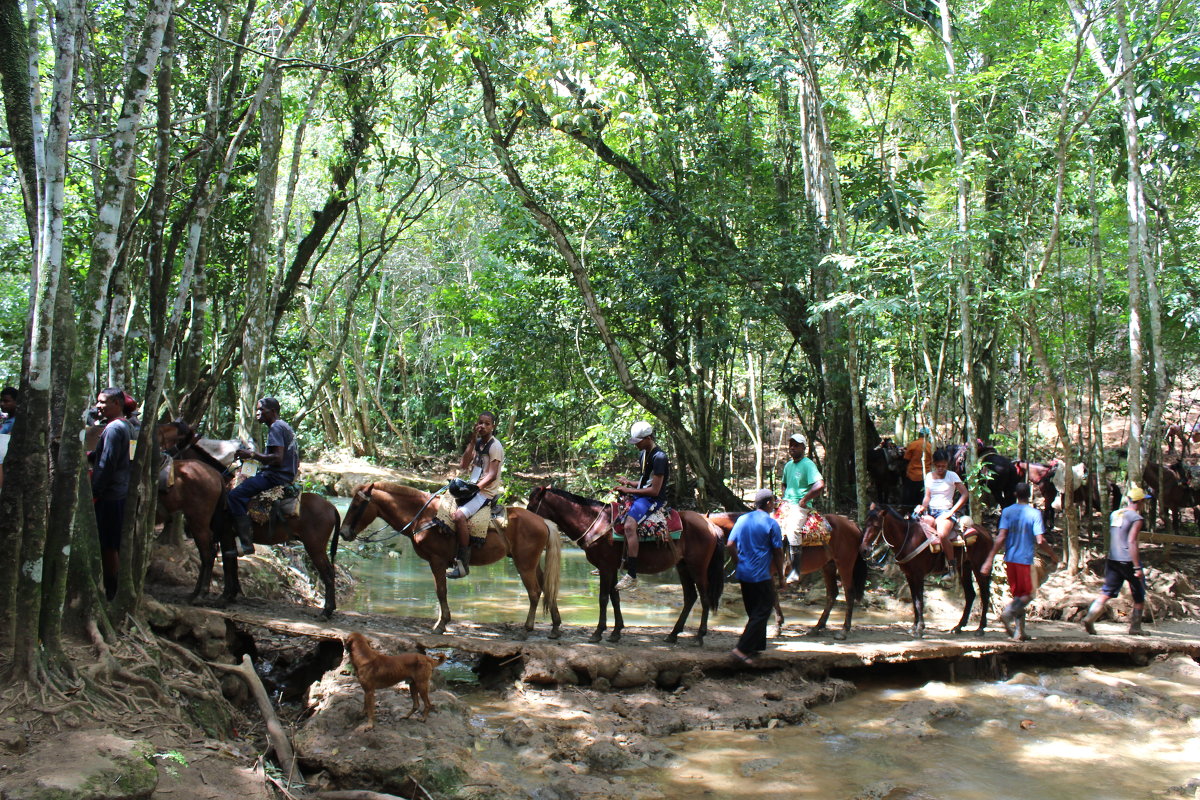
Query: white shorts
(472, 506)
(791, 520)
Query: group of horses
(200, 478)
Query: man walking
(281, 461)
(756, 541)
(1021, 530)
(1124, 563)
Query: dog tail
(438, 658)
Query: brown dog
(376, 670)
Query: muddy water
(1080, 733)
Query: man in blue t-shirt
(649, 494)
(280, 460)
(756, 541)
(1022, 531)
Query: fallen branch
(356, 794)
(279, 739)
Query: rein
(404, 531)
(583, 536)
(908, 523)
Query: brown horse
(906, 539)
(197, 491)
(698, 557)
(412, 512)
(839, 558)
(314, 527)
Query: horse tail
(860, 577)
(716, 573)
(333, 540)
(553, 566)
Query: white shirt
(941, 490)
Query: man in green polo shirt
(802, 482)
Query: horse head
(359, 514)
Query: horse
(1172, 488)
(906, 539)
(315, 526)
(412, 512)
(698, 559)
(198, 492)
(1041, 480)
(885, 464)
(1000, 480)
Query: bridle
(583, 536)
(368, 496)
(908, 526)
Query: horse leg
(321, 563)
(916, 588)
(208, 554)
(830, 573)
(965, 571)
(689, 600)
(439, 583)
(606, 583)
(847, 576)
(618, 619)
(229, 568)
(985, 599)
(533, 590)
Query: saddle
(490, 517)
(277, 504)
(963, 534)
(816, 531)
(661, 525)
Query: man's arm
(468, 454)
(273, 457)
(813, 491)
(986, 567)
(1134, 555)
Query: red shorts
(1020, 579)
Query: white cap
(798, 438)
(639, 431)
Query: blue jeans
(239, 496)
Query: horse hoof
(955, 631)
(439, 629)
(522, 635)
(814, 632)
(699, 641)
(672, 638)
(614, 637)
(840, 636)
(980, 632)
(595, 638)
(554, 634)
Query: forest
(855, 216)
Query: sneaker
(627, 582)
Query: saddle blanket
(477, 525)
(816, 531)
(262, 504)
(661, 525)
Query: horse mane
(398, 488)
(575, 498)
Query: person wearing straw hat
(1124, 563)
(757, 543)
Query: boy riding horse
(649, 494)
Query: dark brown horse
(314, 527)
(697, 557)
(197, 491)
(412, 512)
(840, 558)
(906, 538)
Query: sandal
(740, 656)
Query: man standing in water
(1021, 529)
(1124, 563)
(280, 461)
(649, 494)
(802, 482)
(484, 456)
(110, 483)
(757, 542)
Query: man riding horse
(802, 482)
(649, 494)
(280, 461)
(484, 456)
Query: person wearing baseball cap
(649, 494)
(802, 482)
(756, 542)
(1124, 562)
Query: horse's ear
(362, 496)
